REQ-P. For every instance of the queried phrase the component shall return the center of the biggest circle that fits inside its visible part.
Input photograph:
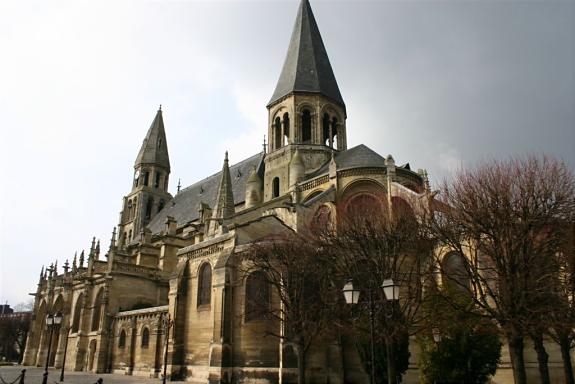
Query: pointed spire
(42, 273)
(97, 250)
(74, 262)
(82, 259)
(66, 267)
(224, 207)
(154, 149)
(306, 67)
(56, 268)
(179, 185)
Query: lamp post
(168, 323)
(52, 321)
(391, 292)
(351, 295)
(64, 358)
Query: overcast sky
(439, 84)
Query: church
(165, 287)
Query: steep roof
(306, 67)
(154, 149)
(184, 207)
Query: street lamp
(390, 289)
(391, 292)
(351, 295)
(436, 335)
(52, 321)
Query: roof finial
(264, 145)
(226, 158)
(179, 185)
(160, 107)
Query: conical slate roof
(155, 147)
(306, 67)
(225, 207)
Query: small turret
(296, 169)
(253, 189)
(82, 259)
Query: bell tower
(306, 114)
(150, 184)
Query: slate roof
(306, 67)
(154, 149)
(184, 207)
(359, 156)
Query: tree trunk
(517, 359)
(542, 358)
(566, 356)
(301, 364)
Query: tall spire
(154, 149)
(306, 67)
(224, 206)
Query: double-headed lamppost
(391, 291)
(168, 323)
(52, 321)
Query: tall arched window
(306, 126)
(276, 187)
(334, 132)
(325, 131)
(205, 285)
(277, 133)
(161, 205)
(257, 296)
(122, 339)
(149, 206)
(77, 313)
(97, 310)
(157, 179)
(286, 128)
(145, 337)
(130, 210)
(455, 275)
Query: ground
(34, 376)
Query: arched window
(334, 132)
(325, 125)
(122, 339)
(276, 187)
(205, 285)
(306, 126)
(286, 129)
(455, 275)
(130, 211)
(161, 205)
(364, 205)
(130, 236)
(77, 313)
(257, 296)
(146, 178)
(97, 310)
(277, 133)
(149, 207)
(145, 337)
(157, 179)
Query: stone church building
(167, 273)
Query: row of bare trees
(512, 223)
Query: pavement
(9, 374)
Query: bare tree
(301, 278)
(509, 218)
(372, 245)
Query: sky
(439, 84)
